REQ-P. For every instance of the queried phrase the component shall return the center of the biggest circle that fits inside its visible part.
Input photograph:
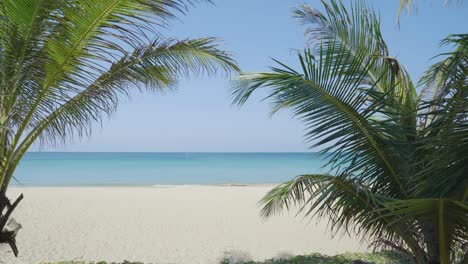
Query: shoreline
(165, 224)
(14, 186)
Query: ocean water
(85, 169)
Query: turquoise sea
(84, 169)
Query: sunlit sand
(170, 224)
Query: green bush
(347, 258)
(386, 257)
(100, 262)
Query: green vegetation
(99, 262)
(398, 159)
(348, 258)
(66, 64)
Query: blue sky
(199, 117)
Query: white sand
(165, 224)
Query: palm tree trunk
(7, 232)
(431, 240)
(8, 227)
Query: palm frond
(449, 217)
(51, 51)
(447, 75)
(345, 202)
(155, 67)
(89, 35)
(331, 96)
(358, 30)
(444, 122)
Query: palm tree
(65, 64)
(398, 160)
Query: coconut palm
(397, 160)
(65, 64)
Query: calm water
(52, 168)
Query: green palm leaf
(333, 87)
(54, 50)
(397, 170)
(345, 202)
(155, 67)
(449, 217)
(444, 125)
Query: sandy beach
(160, 224)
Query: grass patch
(347, 258)
(99, 262)
(386, 257)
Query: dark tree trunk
(432, 242)
(7, 232)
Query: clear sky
(199, 117)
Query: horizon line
(173, 151)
